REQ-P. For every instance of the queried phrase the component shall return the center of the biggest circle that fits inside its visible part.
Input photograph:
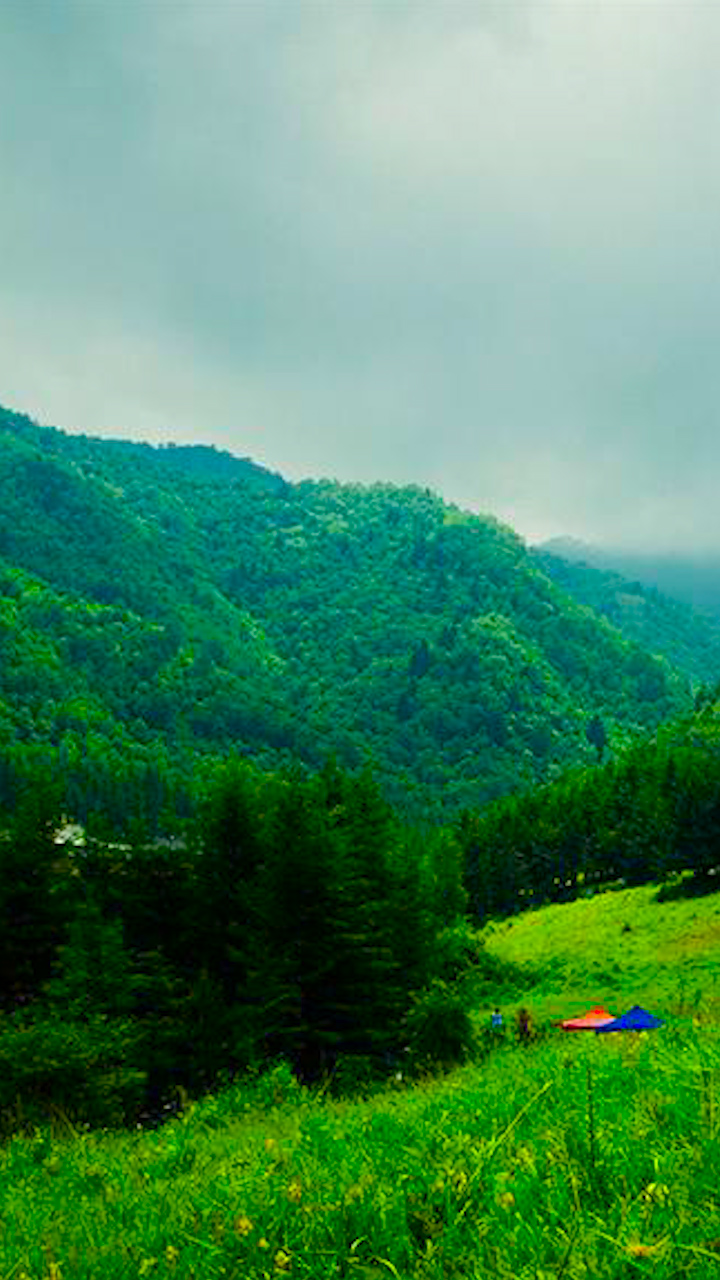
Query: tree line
(297, 919)
(646, 814)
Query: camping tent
(590, 1021)
(636, 1019)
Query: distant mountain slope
(690, 641)
(692, 579)
(199, 609)
(198, 461)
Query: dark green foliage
(343, 923)
(659, 623)
(228, 877)
(34, 892)
(52, 1068)
(157, 605)
(94, 970)
(651, 813)
(596, 736)
(299, 919)
(439, 1028)
(304, 919)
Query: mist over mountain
(688, 639)
(693, 577)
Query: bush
(357, 1075)
(459, 952)
(439, 1028)
(687, 884)
(74, 1071)
(253, 1090)
(462, 958)
(273, 1086)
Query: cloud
(471, 246)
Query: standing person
(496, 1021)
(524, 1025)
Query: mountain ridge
(296, 621)
(670, 628)
(691, 578)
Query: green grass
(619, 948)
(576, 1156)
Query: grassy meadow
(572, 1156)
(619, 948)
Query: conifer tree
(227, 879)
(34, 893)
(304, 915)
(373, 984)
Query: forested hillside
(650, 813)
(692, 577)
(673, 630)
(164, 612)
(160, 606)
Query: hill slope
(673, 630)
(574, 1156)
(691, 578)
(193, 606)
(620, 948)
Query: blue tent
(636, 1019)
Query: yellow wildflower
(282, 1260)
(655, 1193)
(294, 1191)
(243, 1225)
(637, 1250)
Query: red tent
(589, 1021)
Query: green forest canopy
(161, 606)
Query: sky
(463, 244)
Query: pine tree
(371, 980)
(303, 910)
(227, 879)
(34, 898)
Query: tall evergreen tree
(370, 971)
(228, 876)
(303, 907)
(34, 897)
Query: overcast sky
(470, 245)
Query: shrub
(357, 1075)
(687, 884)
(75, 1071)
(439, 1028)
(461, 957)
